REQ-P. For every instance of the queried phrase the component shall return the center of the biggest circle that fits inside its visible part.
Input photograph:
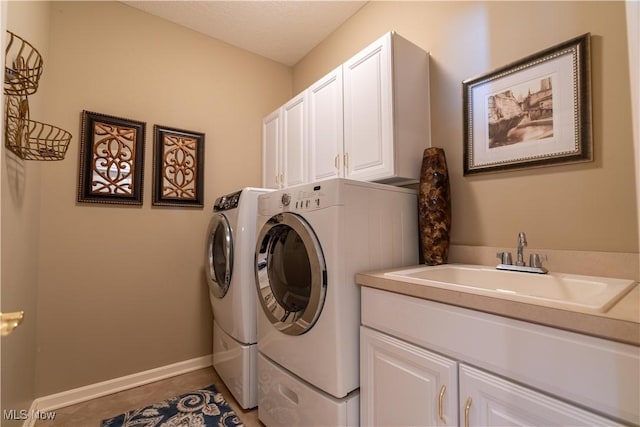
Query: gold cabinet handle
(10, 321)
(346, 161)
(335, 161)
(467, 408)
(443, 389)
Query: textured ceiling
(284, 31)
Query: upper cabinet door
(368, 112)
(325, 127)
(294, 141)
(271, 159)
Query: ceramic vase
(434, 207)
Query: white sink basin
(593, 293)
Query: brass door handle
(443, 389)
(467, 408)
(9, 321)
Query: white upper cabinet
(326, 127)
(294, 136)
(367, 120)
(386, 111)
(284, 145)
(271, 161)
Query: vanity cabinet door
(487, 400)
(405, 385)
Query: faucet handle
(505, 258)
(535, 260)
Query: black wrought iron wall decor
(111, 160)
(178, 167)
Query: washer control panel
(226, 202)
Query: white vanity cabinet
(507, 372)
(386, 111)
(284, 145)
(402, 384)
(367, 120)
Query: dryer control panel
(305, 198)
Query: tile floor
(92, 412)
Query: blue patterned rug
(200, 408)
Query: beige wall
(122, 289)
(20, 230)
(585, 207)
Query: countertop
(620, 323)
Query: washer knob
(286, 199)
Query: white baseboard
(92, 391)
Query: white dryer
(231, 240)
(312, 240)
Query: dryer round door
(291, 274)
(219, 253)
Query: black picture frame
(178, 167)
(531, 113)
(111, 166)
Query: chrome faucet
(535, 260)
(522, 242)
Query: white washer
(312, 240)
(231, 240)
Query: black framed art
(111, 160)
(533, 112)
(178, 167)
